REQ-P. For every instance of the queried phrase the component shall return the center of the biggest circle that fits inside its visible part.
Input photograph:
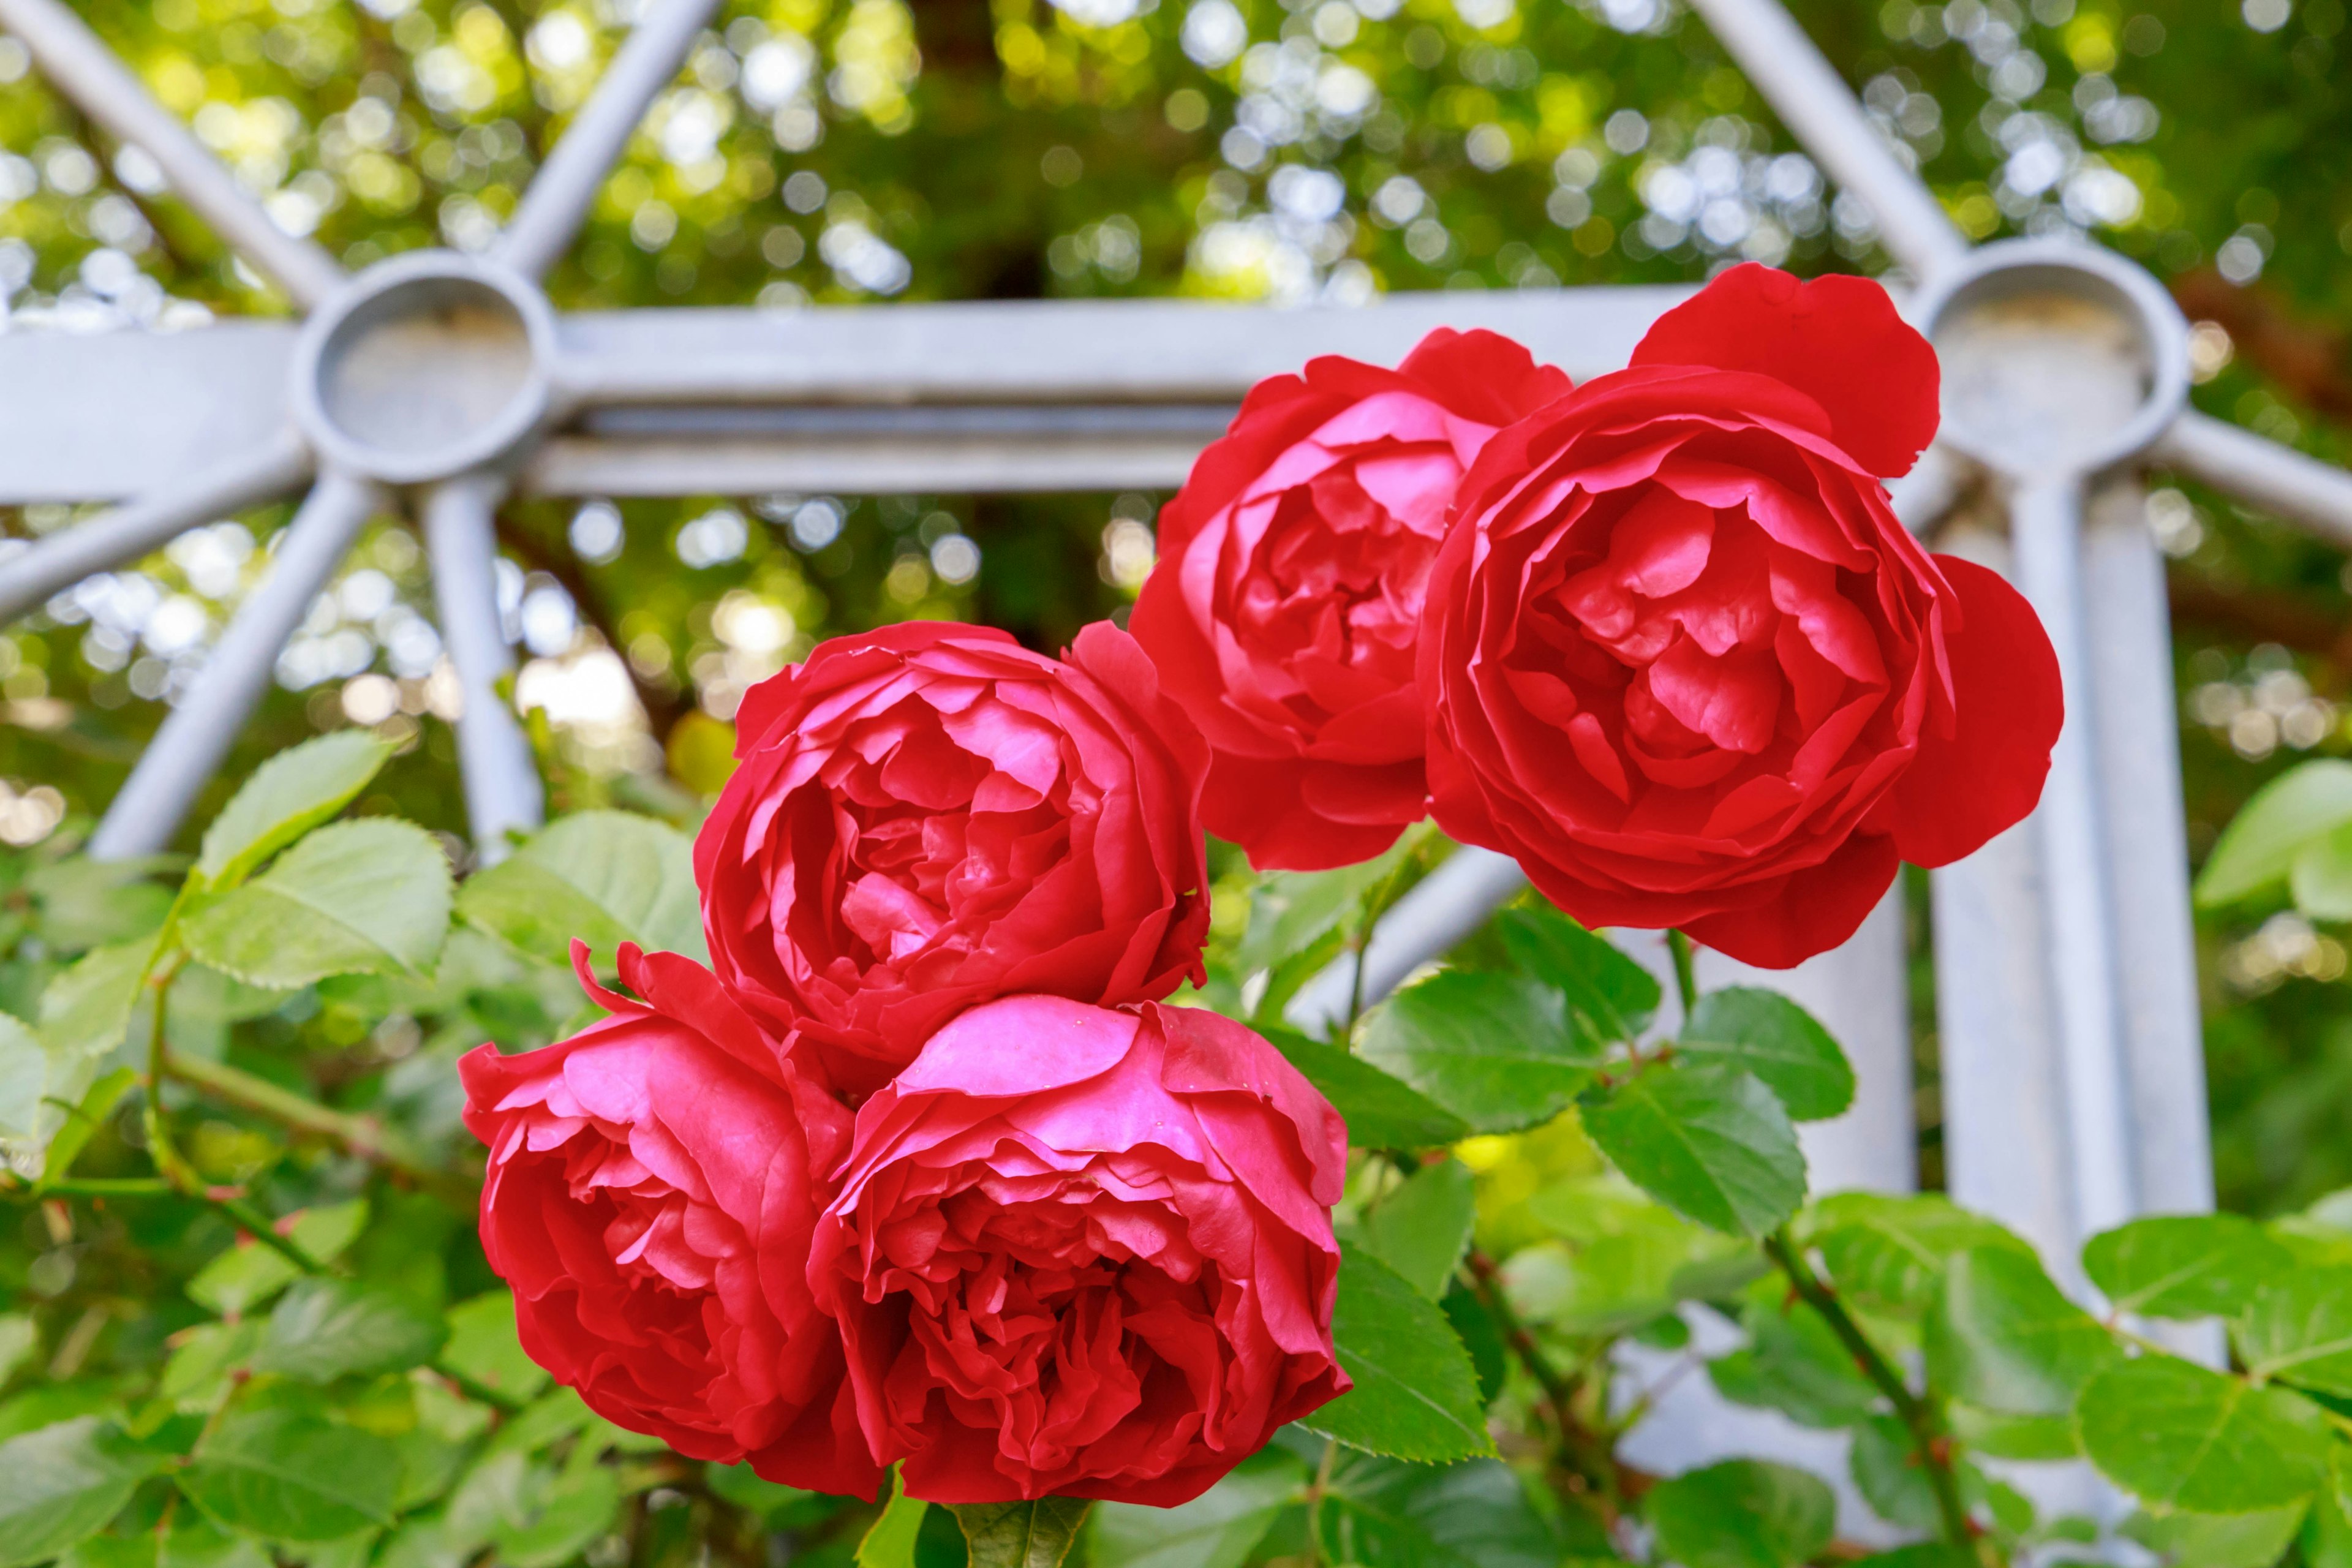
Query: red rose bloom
(929, 815)
(1086, 1252)
(653, 1183)
(1684, 665)
(1284, 607)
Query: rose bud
(1286, 601)
(652, 1184)
(1684, 665)
(929, 815)
(1086, 1252)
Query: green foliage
(1416, 1393)
(2186, 1265)
(1422, 1228)
(286, 797)
(61, 1483)
(1382, 1112)
(1494, 1049)
(601, 876)
(357, 897)
(2289, 819)
(1038, 1534)
(1472, 1515)
(2177, 1436)
(1710, 1142)
(1743, 1513)
(1770, 1036)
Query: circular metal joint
(2058, 356)
(429, 364)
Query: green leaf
(370, 896)
(61, 1483)
(889, 1542)
(87, 903)
(204, 1360)
(2177, 1436)
(286, 796)
(1887, 1473)
(1382, 1112)
(2184, 1265)
(1036, 1534)
(24, 1079)
(1922, 1554)
(326, 1329)
(2299, 1331)
(1779, 1042)
(1612, 997)
(2187, 1540)
(1494, 1049)
(484, 1346)
(86, 1009)
(82, 1124)
(2257, 851)
(1742, 1513)
(558, 1515)
(1474, 1515)
(1422, 1227)
(294, 1477)
(2006, 1436)
(1416, 1393)
(2321, 879)
(1480, 1335)
(1291, 911)
(1709, 1142)
(2000, 1335)
(248, 1273)
(1794, 1364)
(604, 877)
(1219, 1529)
(20, 1342)
(1889, 1252)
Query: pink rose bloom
(1087, 1253)
(653, 1183)
(929, 815)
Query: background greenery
(831, 152)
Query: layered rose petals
(929, 815)
(1084, 1252)
(652, 1184)
(1284, 606)
(1683, 662)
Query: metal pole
(187, 749)
(503, 788)
(561, 194)
(1821, 111)
(2046, 516)
(87, 72)
(132, 529)
(2276, 478)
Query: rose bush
(1682, 662)
(1286, 604)
(929, 815)
(1084, 1252)
(652, 1184)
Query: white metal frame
(2072, 1071)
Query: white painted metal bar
(129, 531)
(501, 777)
(2045, 522)
(1823, 114)
(82, 68)
(187, 749)
(119, 415)
(565, 186)
(1062, 351)
(2261, 472)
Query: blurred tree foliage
(831, 152)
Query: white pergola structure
(2071, 1070)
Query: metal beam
(501, 777)
(564, 190)
(1068, 351)
(127, 532)
(1821, 111)
(80, 66)
(197, 734)
(2261, 472)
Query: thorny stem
(168, 1158)
(1560, 1396)
(1686, 972)
(362, 1135)
(1931, 1447)
(1314, 1501)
